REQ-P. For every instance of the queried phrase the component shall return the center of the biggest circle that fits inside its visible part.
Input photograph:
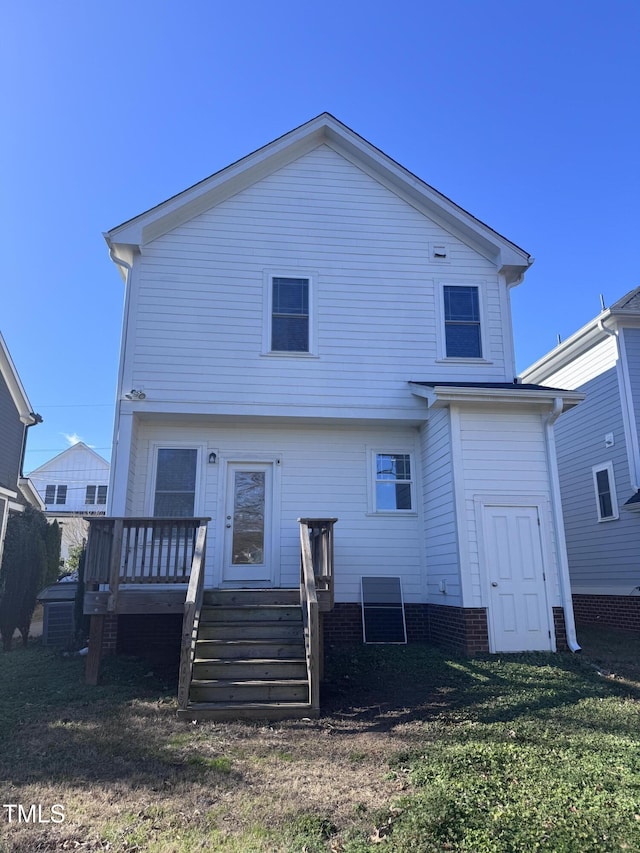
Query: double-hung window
(175, 489)
(96, 495)
(605, 490)
(393, 482)
(55, 495)
(463, 338)
(290, 330)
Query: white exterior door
(248, 521)
(519, 617)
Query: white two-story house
(315, 333)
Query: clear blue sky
(524, 113)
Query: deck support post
(96, 632)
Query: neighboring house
(72, 485)
(315, 333)
(16, 416)
(599, 461)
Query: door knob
(494, 583)
(228, 525)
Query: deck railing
(316, 572)
(140, 550)
(191, 618)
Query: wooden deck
(157, 566)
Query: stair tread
(255, 641)
(258, 682)
(252, 661)
(193, 706)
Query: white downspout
(558, 522)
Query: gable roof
(16, 389)
(325, 129)
(625, 311)
(80, 445)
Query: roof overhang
(30, 493)
(510, 260)
(441, 396)
(18, 394)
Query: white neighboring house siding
(502, 454)
(603, 556)
(197, 330)
(325, 472)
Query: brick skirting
(614, 611)
(560, 629)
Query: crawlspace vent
(383, 611)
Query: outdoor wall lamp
(212, 458)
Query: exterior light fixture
(212, 458)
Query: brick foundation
(155, 637)
(463, 629)
(614, 611)
(560, 629)
(110, 635)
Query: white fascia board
(575, 345)
(511, 261)
(18, 394)
(30, 493)
(440, 396)
(8, 493)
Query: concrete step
(259, 648)
(248, 711)
(228, 690)
(251, 613)
(251, 669)
(228, 630)
(242, 597)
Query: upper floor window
(605, 489)
(462, 331)
(393, 482)
(55, 495)
(289, 314)
(175, 488)
(96, 495)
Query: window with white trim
(290, 328)
(605, 489)
(96, 495)
(462, 325)
(175, 486)
(393, 482)
(55, 495)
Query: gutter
(558, 524)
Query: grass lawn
(417, 750)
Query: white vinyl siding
(197, 324)
(324, 473)
(440, 534)
(503, 455)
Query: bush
(30, 562)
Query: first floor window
(606, 501)
(394, 483)
(462, 322)
(289, 314)
(175, 489)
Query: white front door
(248, 521)
(519, 617)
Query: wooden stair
(250, 659)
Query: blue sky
(524, 113)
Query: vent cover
(383, 610)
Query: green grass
(493, 755)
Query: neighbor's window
(175, 490)
(96, 495)
(606, 501)
(289, 314)
(394, 483)
(55, 495)
(462, 322)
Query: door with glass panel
(248, 520)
